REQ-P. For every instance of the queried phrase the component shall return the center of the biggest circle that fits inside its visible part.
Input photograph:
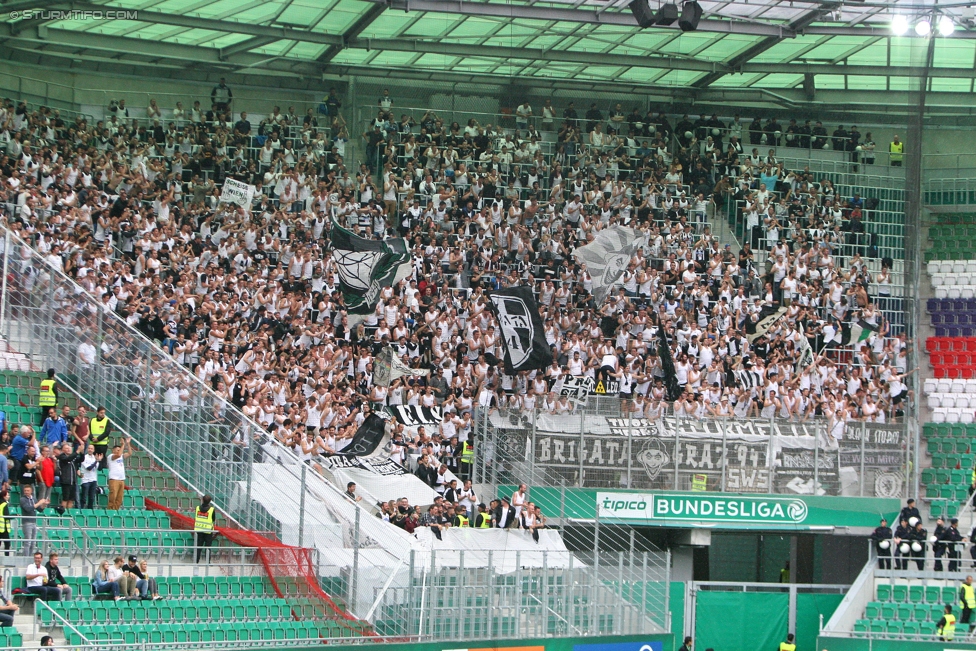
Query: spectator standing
(504, 516)
(55, 579)
(222, 96)
(519, 499)
(47, 394)
(44, 479)
(28, 511)
(522, 115)
(18, 448)
(89, 478)
(7, 608)
(203, 524)
(54, 430)
(5, 521)
(36, 580)
(4, 465)
(101, 433)
(67, 460)
(789, 645)
(116, 474)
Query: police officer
(919, 538)
(909, 511)
(946, 629)
(902, 544)
(47, 394)
(789, 645)
(882, 542)
(203, 524)
(951, 537)
(101, 433)
(967, 600)
(938, 547)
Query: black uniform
(952, 536)
(903, 533)
(909, 512)
(939, 548)
(919, 538)
(884, 555)
(972, 539)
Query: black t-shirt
(133, 568)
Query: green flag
(366, 266)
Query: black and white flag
(366, 266)
(522, 331)
(388, 367)
(367, 438)
(574, 388)
(607, 256)
(412, 415)
(749, 379)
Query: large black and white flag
(749, 379)
(367, 438)
(388, 367)
(366, 266)
(522, 331)
(672, 388)
(806, 352)
(607, 257)
(767, 318)
(414, 415)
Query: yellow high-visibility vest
(204, 522)
(4, 524)
(786, 646)
(99, 429)
(47, 397)
(897, 151)
(467, 453)
(463, 521)
(485, 520)
(968, 597)
(949, 630)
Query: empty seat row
(934, 385)
(953, 278)
(940, 476)
(953, 415)
(961, 400)
(962, 319)
(894, 629)
(950, 231)
(955, 292)
(226, 610)
(947, 430)
(933, 305)
(952, 445)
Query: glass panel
(946, 84)
(872, 55)
(736, 81)
(830, 82)
(855, 82)
(786, 50)
(953, 53)
(779, 81)
(687, 43)
(679, 77)
(728, 47)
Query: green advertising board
(664, 642)
(713, 510)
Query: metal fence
(586, 450)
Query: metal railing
(773, 456)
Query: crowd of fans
(248, 301)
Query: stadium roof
(762, 44)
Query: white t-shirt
(38, 580)
(116, 467)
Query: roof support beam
(761, 46)
(353, 31)
(245, 46)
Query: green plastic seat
(888, 611)
(899, 593)
(916, 594)
(933, 594)
(884, 592)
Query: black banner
(412, 416)
(380, 467)
(367, 438)
(523, 333)
(804, 472)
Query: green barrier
(602, 643)
(809, 607)
(862, 644)
(741, 620)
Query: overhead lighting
(899, 25)
(923, 27)
(946, 26)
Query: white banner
(236, 192)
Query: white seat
(945, 385)
(946, 266)
(941, 292)
(938, 416)
(935, 401)
(938, 280)
(948, 400)
(930, 386)
(959, 267)
(969, 291)
(959, 385)
(971, 267)
(933, 267)
(962, 401)
(954, 292)
(953, 415)
(967, 416)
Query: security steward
(918, 542)
(5, 522)
(881, 536)
(47, 394)
(203, 524)
(467, 459)
(952, 538)
(461, 518)
(967, 601)
(902, 537)
(483, 521)
(789, 645)
(896, 155)
(101, 435)
(946, 629)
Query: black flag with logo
(367, 438)
(523, 334)
(673, 389)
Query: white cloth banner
(503, 550)
(237, 192)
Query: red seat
(937, 359)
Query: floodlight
(899, 25)
(923, 27)
(946, 26)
